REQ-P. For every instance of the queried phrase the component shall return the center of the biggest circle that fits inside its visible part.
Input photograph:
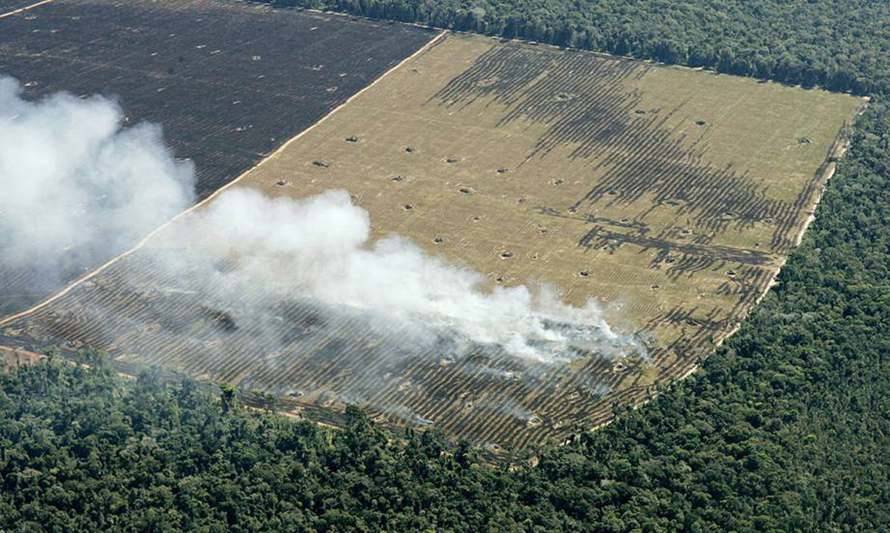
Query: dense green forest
(785, 428)
(841, 45)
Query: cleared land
(670, 195)
(225, 92)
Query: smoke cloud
(318, 248)
(75, 186)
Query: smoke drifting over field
(77, 186)
(74, 186)
(319, 248)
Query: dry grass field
(671, 196)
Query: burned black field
(224, 90)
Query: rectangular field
(669, 195)
(229, 82)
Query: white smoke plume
(75, 183)
(319, 248)
(77, 187)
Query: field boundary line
(432, 42)
(23, 9)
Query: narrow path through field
(26, 8)
(439, 36)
